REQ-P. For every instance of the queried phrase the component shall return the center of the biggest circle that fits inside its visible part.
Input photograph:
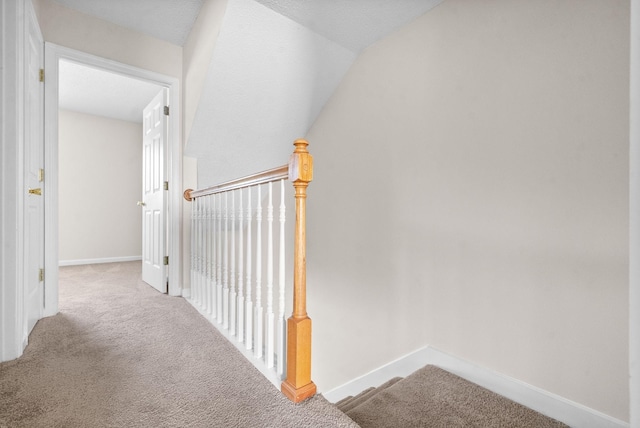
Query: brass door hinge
(166, 260)
(41, 275)
(41, 175)
(166, 110)
(42, 74)
(166, 185)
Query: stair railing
(227, 270)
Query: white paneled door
(155, 131)
(34, 175)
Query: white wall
(471, 193)
(268, 80)
(100, 173)
(76, 30)
(198, 51)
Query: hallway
(121, 354)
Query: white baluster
(232, 270)
(193, 251)
(249, 308)
(198, 255)
(201, 264)
(282, 322)
(270, 316)
(219, 259)
(211, 259)
(207, 255)
(259, 311)
(214, 278)
(241, 301)
(225, 266)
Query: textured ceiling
(101, 93)
(275, 65)
(268, 80)
(353, 24)
(239, 60)
(169, 20)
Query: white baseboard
(402, 367)
(547, 403)
(99, 261)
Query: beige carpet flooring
(434, 398)
(120, 354)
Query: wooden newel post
(298, 385)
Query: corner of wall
(197, 54)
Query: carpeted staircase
(433, 397)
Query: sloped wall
(471, 193)
(197, 53)
(267, 82)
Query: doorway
(54, 57)
(100, 164)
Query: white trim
(12, 18)
(99, 261)
(547, 403)
(634, 217)
(31, 24)
(50, 183)
(53, 54)
(401, 367)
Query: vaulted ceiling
(353, 24)
(274, 66)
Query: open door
(34, 175)
(155, 132)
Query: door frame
(31, 124)
(173, 163)
(634, 216)
(12, 17)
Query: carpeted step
(432, 397)
(367, 394)
(346, 403)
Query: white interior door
(155, 132)
(34, 176)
